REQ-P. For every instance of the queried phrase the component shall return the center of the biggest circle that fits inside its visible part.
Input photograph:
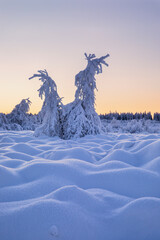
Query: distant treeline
(130, 116)
(19, 120)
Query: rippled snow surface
(103, 187)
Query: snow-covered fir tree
(3, 122)
(74, 121)
(52, 106)
(21, 108)
(18, 118)
(80, 117)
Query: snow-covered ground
(104, 187)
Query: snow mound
(97, 187)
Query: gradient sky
(54, 34)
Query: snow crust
(97, 187)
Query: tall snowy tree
(81, 112)
(52, 106)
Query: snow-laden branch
(96, 63)
(48, 85)
(85, 80)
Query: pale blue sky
(54, 34)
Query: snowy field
(104, 187)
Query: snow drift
(96, 187)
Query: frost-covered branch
(48, 83)
(85, 80)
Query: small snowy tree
(22, 107)
(19, 115)
(75, 124)
(81, 112)
(3, 121)
(52, 106)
